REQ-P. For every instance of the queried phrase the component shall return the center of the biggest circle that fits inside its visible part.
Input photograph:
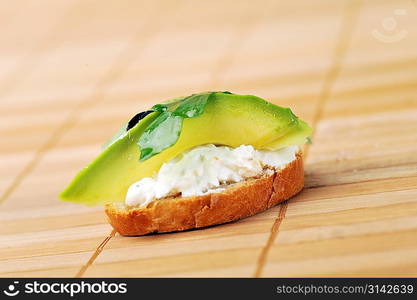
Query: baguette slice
(237, 201)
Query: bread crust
(238, 201)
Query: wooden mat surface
(71, 72)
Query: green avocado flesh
(228, 119)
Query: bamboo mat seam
(119, 65)
(95, 254)
(348, 22)
(222, 64)
(354, 192)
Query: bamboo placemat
(71, 72)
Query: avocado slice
(218, 118)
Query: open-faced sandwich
(195, 161)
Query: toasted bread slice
(237, 201)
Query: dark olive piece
(135, 120)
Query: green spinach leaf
(166, 129)
(161, 134)
(192, 106)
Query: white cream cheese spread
(205, 169)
